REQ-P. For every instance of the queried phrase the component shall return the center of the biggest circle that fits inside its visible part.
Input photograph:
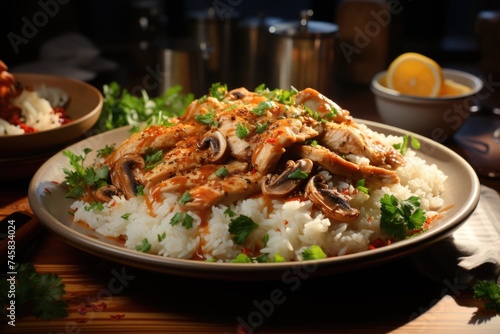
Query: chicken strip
(375, 177)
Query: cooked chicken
(347, 139)
(240, 144)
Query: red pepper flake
(345, 191)
(82, 310)
(99, 307)
(271, 140)
(379, 243)
(81, 320)
(278, 229)
(246, 251)
(286, 222)
(54, 182)
(47, 191)
(117, 316)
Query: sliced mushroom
(106, 193)
(283, 184)
(332, 203)
(127, 173)
(216, 141)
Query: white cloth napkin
(473, 251)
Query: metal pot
(303, 54)
(255, 46)
(181, 63)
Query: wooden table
(105, 297)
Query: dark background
(442, 29)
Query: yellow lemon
(415, 74)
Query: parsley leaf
(121, 107)
(261, 127)
(221, 172)
(397, 218)
(262, 107)
(241, 227)
(107, 150)
(183, 218)
(162, 236)
(298, 174)
(94, 206)
(145, 246)
(241, 258)
(186, 197)
(402, 147)
(313, 253)
(153, 159)
(126, 215)
(208, 118)
(489, 292)
(218, 91)
(360, 185)
(43, 293)
(79, 178)
(241, 130)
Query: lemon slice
(415, 74)
(451, 88)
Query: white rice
(290, 226)
(36, 111)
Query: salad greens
(121, 108)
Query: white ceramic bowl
(434, 117)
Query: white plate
(47, 200)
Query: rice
(36, 112)
(285, 228)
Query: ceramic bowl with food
(82, 106)
(434, 117)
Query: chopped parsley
(208, 118)
(140, 190)
(360, 185)
(230, 213)
(261, 127)
(218, 91)
(126, 215)
(263, 107)
(241, 258)
(298, 174)
(313, 253)
(265, 239)
(144, 246)
(185, 198)
(154, 158)
(94, 206)
(183, 218)
(162, 236)
(280, 95)
(107, 150)
(399, 218)
(402, 147)
(489, 292)
(241, 130)
(221, 172)
(241, 227)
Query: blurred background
(153, 44)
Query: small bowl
(83, 108)
(437, 118)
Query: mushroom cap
(285, 183)
(217, 142)
(332, 203)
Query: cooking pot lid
(259, 21)
(311, 28)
